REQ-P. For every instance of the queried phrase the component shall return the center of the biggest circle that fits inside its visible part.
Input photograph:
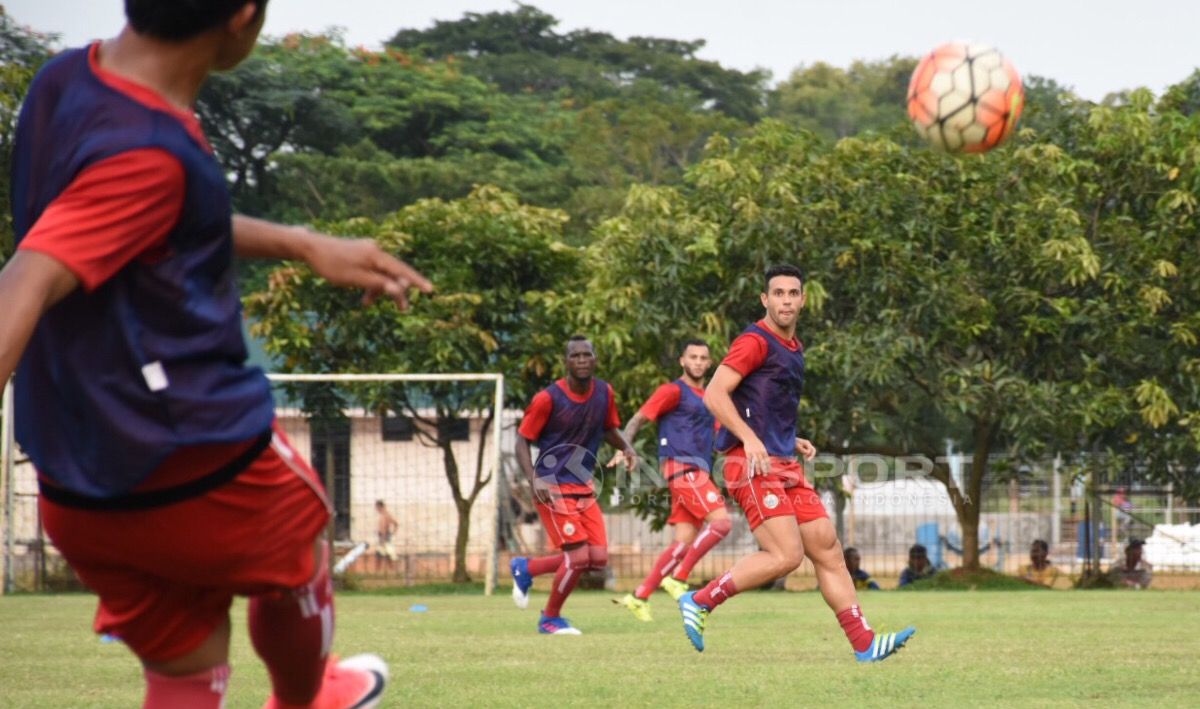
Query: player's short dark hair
(176, 20)
(917, 550)
(1041, 544)
(850, 550)
(576, 338)
(781, 269)
(694, 342)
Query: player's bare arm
(615, 438)
(718, 398)
(631, 430)
(541, 491)
(805, 449)
(29, 285)
(350, 263)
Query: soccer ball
(965, 97)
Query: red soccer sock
(716, 592)
(574, 563)
(709, 538)
(545, 564)
(292, 631)
(203, 690)
(666, 561)
(854, 624)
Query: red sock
(574, 563)
(545, 564)
(716, 592)
(292, 631)
(666, 561)
(855, 626)
(203, 690)
(708, 538)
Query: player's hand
(617, 458)
(805, 449)
(758, 461)
(360, 263)
(544, 491)
(631, 459)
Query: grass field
(1023, 648)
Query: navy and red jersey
(768, 396)
(568, 429)
(685, 427)
(144, 363)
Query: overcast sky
(1096, 46)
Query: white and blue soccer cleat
(522, 581)
(556, 626)
(694, 616)
(885, 645)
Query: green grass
(1061, 648)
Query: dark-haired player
(685, 453)
(754, 395)
(164, 479)
(567, 420)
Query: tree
(22, 52)
(519, 51)
(837, 103)
(496, 265)
(1009, 301)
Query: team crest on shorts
(712, 496)
(771, 501)
(568, 529)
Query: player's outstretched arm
(631, 430)
(616, 439)
(30, 284)
(718, 397)
(351, 263)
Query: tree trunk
(968, 518)
(460, 542)
(450, 465)
(968, 513)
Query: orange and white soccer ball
(965, 97)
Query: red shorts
(166, 576)
(782, 492)
(693, 495)
(570, 520)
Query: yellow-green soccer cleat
(673, 587)
(639, 608)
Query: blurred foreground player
(754, 395)
(164, 479)
(567, 420)
(685, 453)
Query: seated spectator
(1133, 572)
(1039, 570)
(862, 580)
(918, 565)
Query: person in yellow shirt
(1039, 570)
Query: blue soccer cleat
(885, 645)
(556, 625)
(694, 616)
(522, 581)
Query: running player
(567, 420)
(685, 446)
(165, 482)
(754, 395)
